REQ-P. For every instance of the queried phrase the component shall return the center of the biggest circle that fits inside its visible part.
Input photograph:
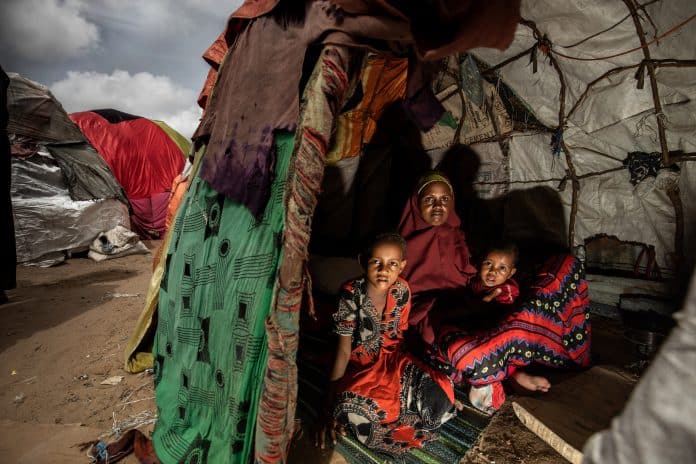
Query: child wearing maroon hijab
(437, 255)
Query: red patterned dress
(389, 400)
(550, 326)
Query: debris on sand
(114, 380)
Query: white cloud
(142, 94)
(77, 44)
(47, 30)
(184, 121)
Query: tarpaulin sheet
(46, 219)
(36, 114)
(142, 156)
(615, 117)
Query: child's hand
(327, 431)
(490, 296)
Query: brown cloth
(132, 441)
(242, 113)
(445, 27)
(476, 24)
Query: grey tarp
(63, 192)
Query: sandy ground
(62, 337)
(62, 334)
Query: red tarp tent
(144, 155)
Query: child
(389, 400)
(494, 281)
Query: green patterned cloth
(210, 346)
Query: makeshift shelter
(63, 193)
(542, 147)
(145, 156)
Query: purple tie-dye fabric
(243, 113)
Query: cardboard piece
(574, 409)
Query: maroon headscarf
(437, 256)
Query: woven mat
(455, 437)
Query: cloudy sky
(139, 56)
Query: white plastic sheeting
(494, 172)
(613, 119)
(47, 221)
(657, 423)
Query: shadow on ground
(42, 301)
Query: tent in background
(63, 193)
(144, 155)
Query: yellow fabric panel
(183, 142)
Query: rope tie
(640, 75)
(543, 45)
(670, 31)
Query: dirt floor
(61, 368)
(61, 358)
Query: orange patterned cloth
(382, 82)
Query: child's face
(434, 203)
(496, 268)
(384, 266)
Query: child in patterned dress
(389, 400)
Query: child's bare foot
(532, 382)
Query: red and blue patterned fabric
(509, 290)
(551, 326)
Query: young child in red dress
(495, 282)
(387, 398)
